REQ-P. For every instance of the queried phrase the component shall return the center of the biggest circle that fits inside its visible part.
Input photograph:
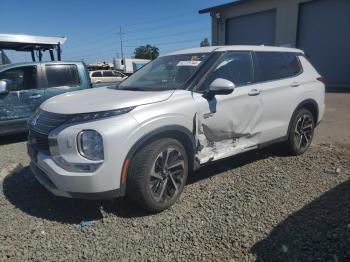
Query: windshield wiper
(130, 88)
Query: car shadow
(25, 193)
(11, 139)
(320, 231)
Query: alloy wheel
(303, 132)
(167, 174)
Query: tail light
(322, 79)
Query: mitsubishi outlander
(174, 115)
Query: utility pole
(121, 41)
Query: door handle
(294, 84)
(254, 92)
(35, 96)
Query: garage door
(324, 35)
(253, 29)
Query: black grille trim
(44, 122)
(40, 126)
(39, 141)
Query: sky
(92, 27)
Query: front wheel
(157, 174)
(301, 132)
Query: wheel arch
(177, 132)
(309, 104)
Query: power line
(167, 35)
(110, 50)
(114, 29)
(157, 27)
(161, 19)
(190, 32)
(108, 33)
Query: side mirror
(220, 86)
(3, 86)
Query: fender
(185, 136)
(163, 130)
(303, 105)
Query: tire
(157, 174)
(301, 132)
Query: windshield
(164, 73)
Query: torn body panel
(227, 125)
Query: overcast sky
(92, 26)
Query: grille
(40, 126)
(44, 122)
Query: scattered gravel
(260, 205)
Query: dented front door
(229, 124)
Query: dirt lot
(262, 206)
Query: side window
(62, 75)
(96, 74)
(233, 66)
(276, 65)
(118, 74)
(20, 78)
(293, 64)
(108, 74)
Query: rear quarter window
(276, 65)
(62, 75)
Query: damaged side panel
(227, 125)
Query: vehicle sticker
(188, 63)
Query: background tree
(146, 52)
(205, 42)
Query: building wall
(286, 18)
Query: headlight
(90, 144)
(98, 115)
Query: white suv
(179, 112)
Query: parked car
(106, 76)
(24, 86)
(176, 114)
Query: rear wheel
(157, 174)
(301, 132)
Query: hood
(101, 99)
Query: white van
(106, 76)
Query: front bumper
(103, 182)
(72, 185)
(45, 179)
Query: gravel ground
(261, 205)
